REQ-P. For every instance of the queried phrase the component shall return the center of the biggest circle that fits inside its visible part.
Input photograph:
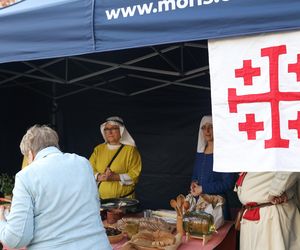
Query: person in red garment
(271, 220)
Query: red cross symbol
(247, 72)
(251, 126)
(295, 124)
(273, 97)
(295, 68)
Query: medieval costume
(214, 183)
(264, 225)
(127, 163)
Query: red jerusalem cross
(247, 72)
(251, 126)
(295, 124)
(295, 68)
(274, 96)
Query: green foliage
(6, 184)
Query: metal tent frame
(147, 69)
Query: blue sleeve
(220, 185)
(17, 231)
(194, 176)
(196, 169)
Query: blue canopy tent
(33, 29)
(160, 89)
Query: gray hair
(37, 138)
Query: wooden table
(225, 239)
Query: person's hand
(113, 176)
(108, 172)
(105, 176)
(108, 176)
(2, 209)
(102, 177)
(278, 199)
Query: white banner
(255, 88)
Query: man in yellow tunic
(120, 178)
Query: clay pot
(113, 215)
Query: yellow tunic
(127, 162)
(25, 162)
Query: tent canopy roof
(34, 29)
(71, 31)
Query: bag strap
(109, 164)
(114, 157)
(111, 161)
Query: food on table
(131, 228)
(114, 235)
(122, 204)
(168, 216)
(112, 231)
(113, 215)
(130, 246)
(150, 224)
(153, 240)
(204, 201)
(143, 239)
(162, 238)
(108, 204)
(111, 204)
(213, 199)
(119, 203)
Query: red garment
(252, 214)
(241, 178)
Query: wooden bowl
(115, 238)
(114, 235)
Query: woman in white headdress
(116, 163)
(204, 179)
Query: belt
(250, 211)
(251, 207)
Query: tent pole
(54, 106)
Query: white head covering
(126, 138)
(201, 140)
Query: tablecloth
(225, 234)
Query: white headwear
(201, 140)
(126, 138)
